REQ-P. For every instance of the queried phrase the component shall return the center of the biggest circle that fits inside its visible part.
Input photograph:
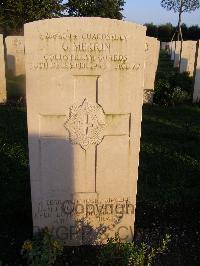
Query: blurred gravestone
(177, 54)
(163, 45)
(151, 64)
(2, 72)
(169, 47)
(166, 46)
(196, 94)
(188, 57)
(173, 50)
(15, 55)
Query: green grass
(170, 154)
(16, 87)
(169, 181)
(172, 87)
(165, 66)
(15, 207)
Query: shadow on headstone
(69, 218)
(70, 215)
(196, 94)
(11, 66)
(183, 65)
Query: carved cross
(88, 125)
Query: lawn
(169, 181)
(15, 207)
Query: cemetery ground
(168, 196)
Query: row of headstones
(85, 80)
(187, 58)
(15, 65)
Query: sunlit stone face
(84, 95)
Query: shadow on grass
(15, 206)
(16, 87)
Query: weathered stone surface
(2, 72)
(188, 57)
(177, 54)
(196, 94)
(84, 98)
(15, 55)
(151, 64)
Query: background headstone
(151, 64)
(15, 55)
(177, 54)
(188, 57)
(166, 46)
(163, 45)
(84, 99)
(2, 72)
(173, 50)
(169, 47)
(196, 94)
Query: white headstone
(151, 64)
(162, 45)
(173, 50)
(177, 54)
(15, 55)
(2, 72)
(84, 99)
(188, 57)
(196, 94)
(165, 46)
(169, 48)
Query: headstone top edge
(97, 19)
(152, 38)
(189, 41)
(12, 37)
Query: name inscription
(86, 51)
